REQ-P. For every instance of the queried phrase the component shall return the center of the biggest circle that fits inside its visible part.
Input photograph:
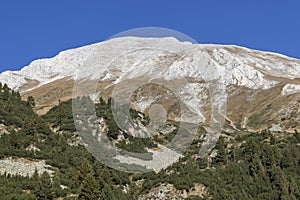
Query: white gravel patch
(23, 167)
(161, 159)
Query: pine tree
(6, 92)
(222, 156)
(14, 140)
(89, 187)
(272, 139)
(44, 188)
(287, 159)
(297, 135)
(58, 190)
(107, 193)
(203, 163)
(31, 101)
(278, 180)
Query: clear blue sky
(32, 29)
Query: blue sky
(34, 29)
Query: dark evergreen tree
(222, 155)
(297, 135)
(89, 187)
(44, 188)
(31, 101)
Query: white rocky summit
(138, 57)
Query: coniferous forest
(247, 165)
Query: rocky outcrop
(167, 191)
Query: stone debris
(167, 191)
(23, 167)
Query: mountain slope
(249, 76)
(261, 92)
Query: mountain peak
(68, 63)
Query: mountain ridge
(49, 69)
